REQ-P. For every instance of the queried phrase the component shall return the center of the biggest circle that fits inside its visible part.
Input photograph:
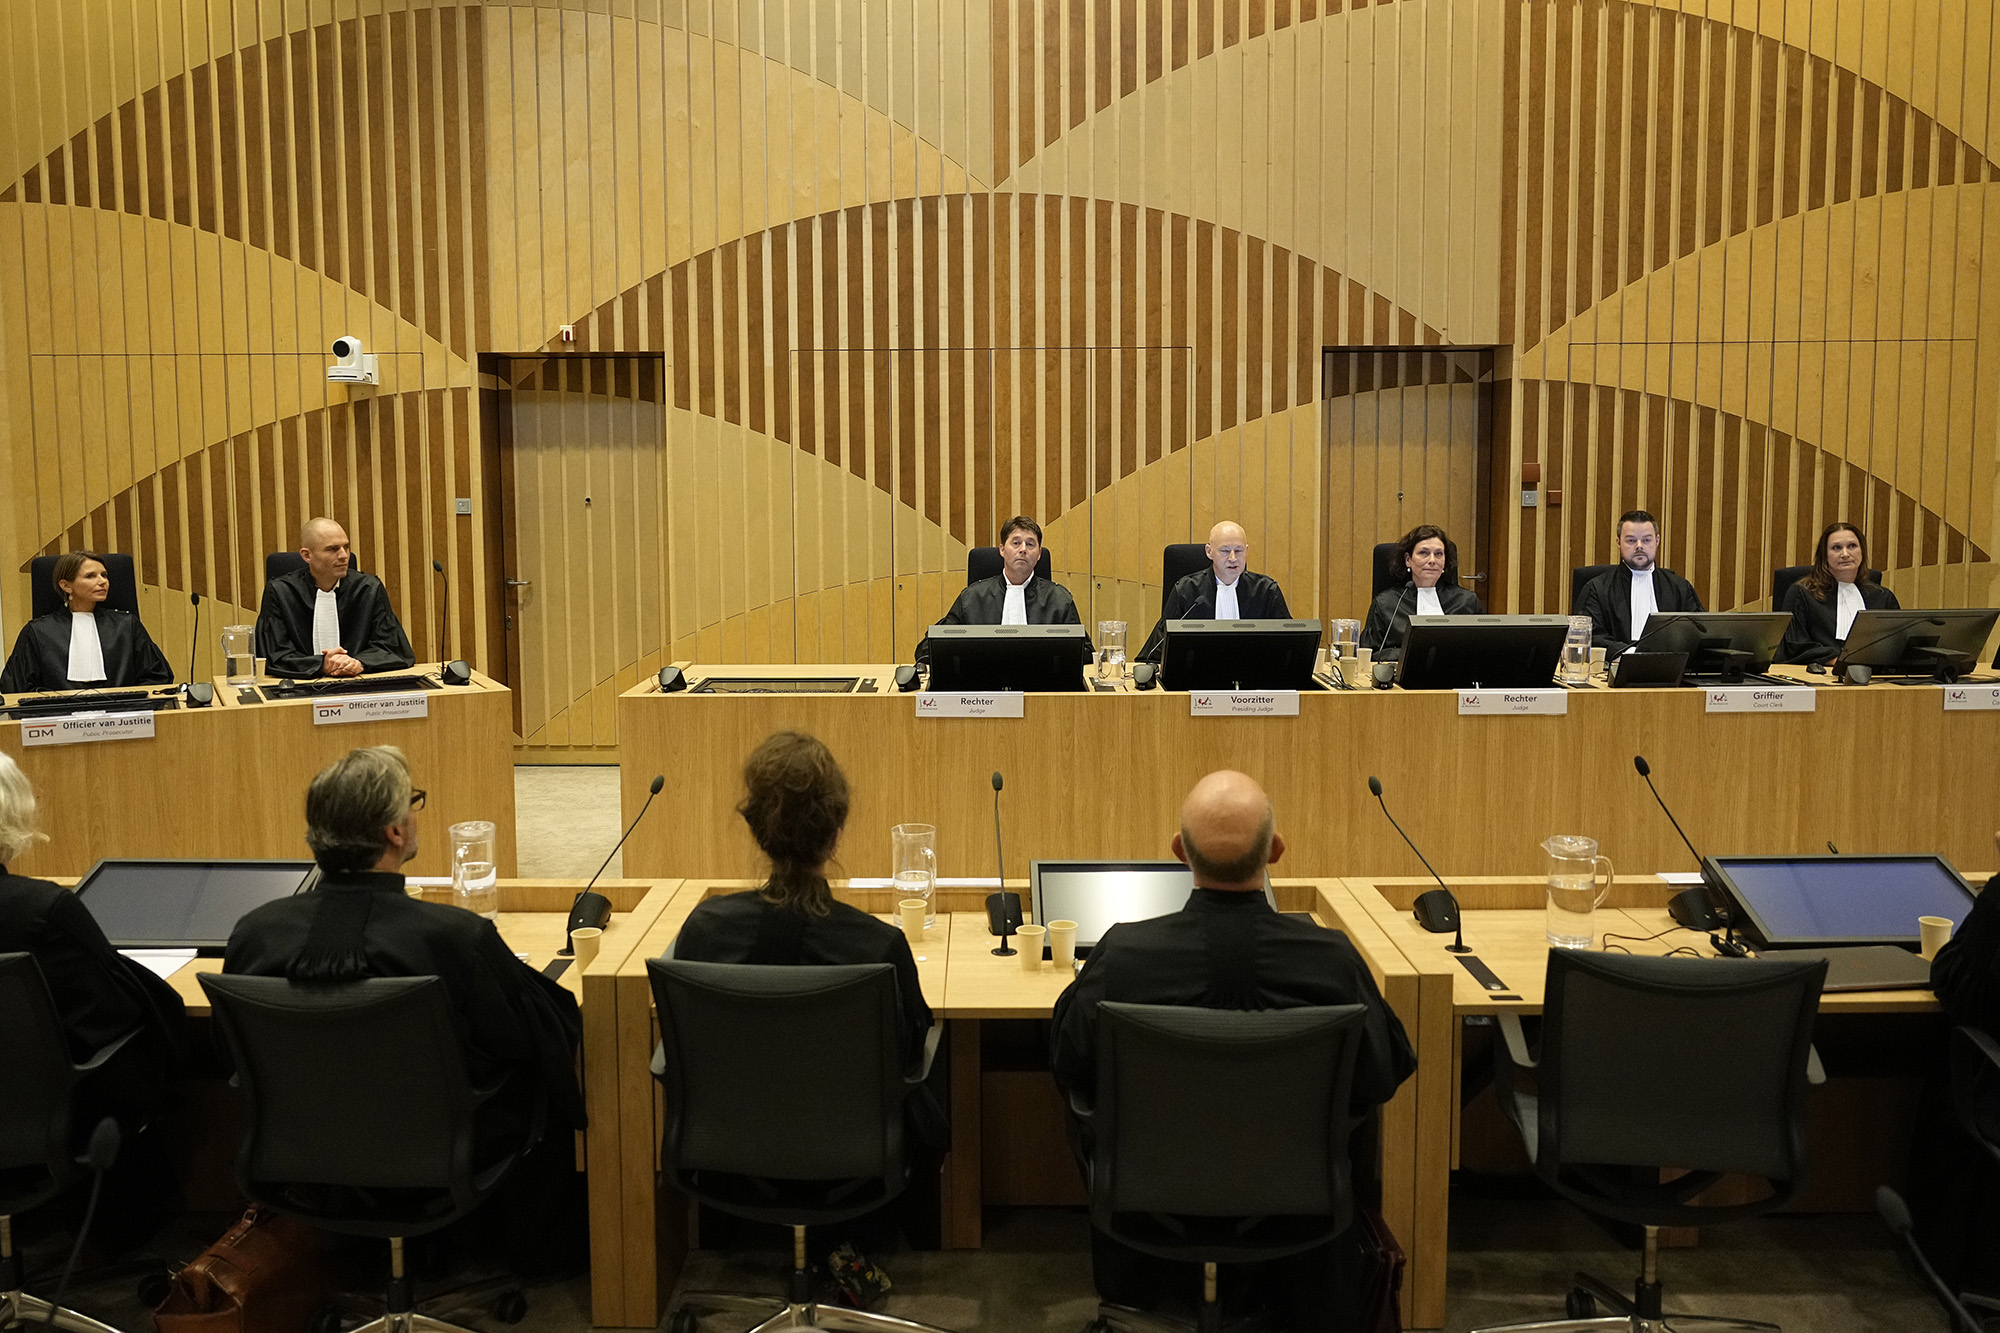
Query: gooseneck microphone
(1895, 1214)
(1702, 907)
(592, 910)
(1003, 909)
(444, 610)
(194, 639)
(1458, 944)
(102, 1152)
(1646, 772)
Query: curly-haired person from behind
(795, 802)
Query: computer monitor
(1481, 652)
(1008, 657)
(1900, 642)
(183, 904)
(1239, 654)
(1705, 635)
(1097, 895)
(1821, 902)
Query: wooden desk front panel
(230, 781)
(1878, 769)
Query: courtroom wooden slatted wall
(910, 267)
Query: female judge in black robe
(1430, 563)
(54, 652)
(1824, 602)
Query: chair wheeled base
(797, 1310)
(502, 1296)
(1640, 1313)
(18, 1308)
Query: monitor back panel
(1097, 895)
(1834, 901)
(183, 904)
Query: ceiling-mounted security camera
(351, 365)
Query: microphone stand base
(1004, 952)
(1458, 948)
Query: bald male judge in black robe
(1014, 596)
(329, 619)
(1226, 590)
(86, 646)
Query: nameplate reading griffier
(1752, 699)
(1513, 703)
(81, 730)
(372, 708)
(1968, 698)
(1243, 703)
(999, 703)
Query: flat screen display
(182, 904)
(1825, 901)
(1097, 895)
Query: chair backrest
(1177, 561)
(1783, 579)
(983, 562)
(1225, 1114)
(1580, 577)
(1975, 1085)
(735, 1035)
(360, 1084)
(35, 1157)
(1387, 572)
(124, 594)
(284, 562)
(1697, 1063)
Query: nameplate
(1969, 698)
(371, 708)
(1243, 703)
(999, 703)
(1753, 699)
(1513, 703)
(81, 729)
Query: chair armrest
(923, 1070)
(1972, 1302)
(658, 1064)
(1815, 1071)
(1082, 1110)
(1516, 1039)
(106, 1052)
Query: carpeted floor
(1511, 1257)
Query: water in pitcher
(1572, 911)
(478, 888)
(917, 884)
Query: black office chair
(37, 1162)
(1783, 579)
(123, 596)
(1633, 1078)
(284, 562)
(822, 1143)
(1220, 1136)
(1177, 561)
(1580, 577)
(983, 562)
(1389, 571)
(363, 1118)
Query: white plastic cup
(1597, 663)
(1028, 939)
(1933, 931)
(1062, 943)
(911, 910)
(584, 942)
(1364, 660)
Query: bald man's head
(1228, 832)
(1228, 550)
(323, 543)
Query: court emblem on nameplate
(1750, 699)
(377, 708)
(1971, 698)
(1243, 703)
(82, 730)
(996, 703)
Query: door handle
(517, 583)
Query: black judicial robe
(982, 603)
(99, 995)
(1258, 597)
(518, 1023)
(1607, 600)
(1809, 638)
(41, 654)
(1227, 950)
(369, 630)
(1389, 615)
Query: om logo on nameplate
(375, 708)
(1513, 703)
(997, 703)
(1968, 698)
(1751, 699)
(1243, 703)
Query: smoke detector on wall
(351, 365)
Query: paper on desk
(1681, 876)
(943, 882)
(160, 962)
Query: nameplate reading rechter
(1964, 698)
(1751, 699)
(82, 729)
(999, 703)
(1512, 703)
(1243, 703)
(373, 708)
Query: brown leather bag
(268, 1274)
